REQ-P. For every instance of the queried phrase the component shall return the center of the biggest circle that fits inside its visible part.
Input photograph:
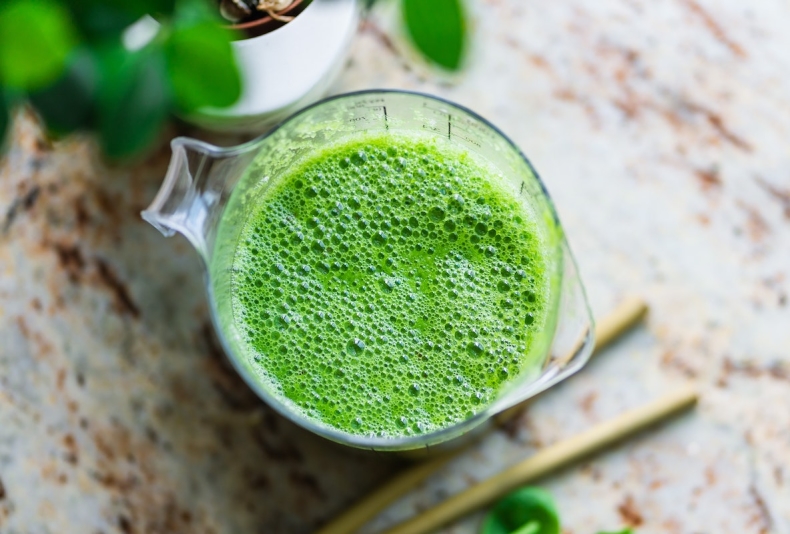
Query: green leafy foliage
(189, 12)
(201, 66)
(4, 119)
(624, 531)
(102, 20)
(36, 38)
(438, 30)
(525, 511)
(68, 104)
(134, 98)
(67, 58)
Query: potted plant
(86, 66)
(287, 58)
(302, 44)
(122, 68)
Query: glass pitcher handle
(559, 368)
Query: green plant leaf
(134, 98)
(628, 530)
(68, 104)
(139, 8)
(101, 20)
(5, 119)
(438, 30)
(202, 67)
(528, 510)
(36, 38)
(189, 12)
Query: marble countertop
(662, 131)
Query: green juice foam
(389, 286)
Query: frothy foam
(389, 286)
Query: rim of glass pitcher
(359, 441)
(244, 147)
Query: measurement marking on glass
(449, 126)
(386, 123)
(522, 188)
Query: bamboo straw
(370, 506)
(628, 313)
(547, 460)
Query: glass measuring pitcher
(209, 194)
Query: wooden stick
(397, 487)
(628, 313)
(547, 460)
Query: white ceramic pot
(287, 68)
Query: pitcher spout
(199, 180)
(166, 208)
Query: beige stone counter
(662, 131)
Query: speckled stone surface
(662, 130)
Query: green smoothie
(390, 286)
